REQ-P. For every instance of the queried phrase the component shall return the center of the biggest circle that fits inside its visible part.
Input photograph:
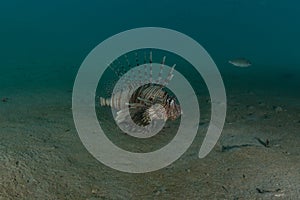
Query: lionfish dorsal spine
(159, 81)
(112, 69)
(135, 78)
(150, 68)
(145, 66)
(170, 76)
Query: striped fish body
(142, 101)
(148, 102)
(148, 93)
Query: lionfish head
(173, 109)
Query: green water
(40, 39)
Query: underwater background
(62, 33)
(42, 45)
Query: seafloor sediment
(257, 156)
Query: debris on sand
(232, 147)
(277, 109)
(240, 62)
(265, 143)
(261, 191)
(4, 99)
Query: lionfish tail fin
(105, 102)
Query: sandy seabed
(257, 156)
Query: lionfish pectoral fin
(122, 115)
(136, 113)
(140, 116)
(145, 119)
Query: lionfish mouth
(150, 101)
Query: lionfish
(141, 97)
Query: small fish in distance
(240, 62)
